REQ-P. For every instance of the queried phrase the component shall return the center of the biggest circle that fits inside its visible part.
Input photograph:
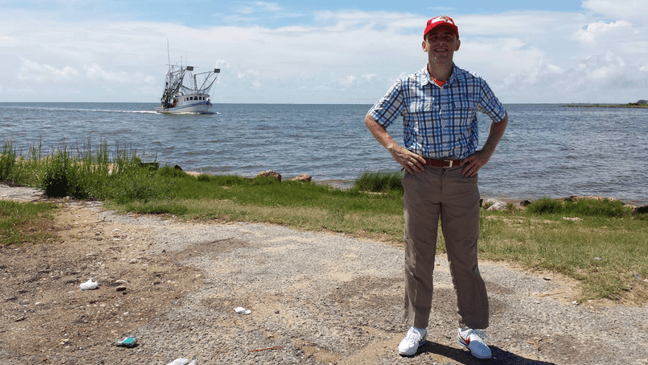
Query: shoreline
(346, 185)
(628, 106)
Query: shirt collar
(428, 80)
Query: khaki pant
(442, 192)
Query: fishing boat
(186, 92)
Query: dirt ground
(315, 298)
(43, 306)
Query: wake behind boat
(186, 92)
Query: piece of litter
(182, 362)
(88, 285)
(266, 349)
(128, 342)
(241, 310)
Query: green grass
(598, 242)
(26, 222)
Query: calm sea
(547, 151)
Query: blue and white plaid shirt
(439, 122)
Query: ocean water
(547, 150)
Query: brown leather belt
(442, 163)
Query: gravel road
(322, 298)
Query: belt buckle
(450, 165)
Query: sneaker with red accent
(415, 337)
(473, 340)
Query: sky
(342, 52)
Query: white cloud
(247, 73)
(347, 81)
(268, 6)
(5, 40)
(34, 71)
(589, 34)
(369, 77)
(531, 56)
(222, 64)
(635, 10)
(602, 68)
(95, 72)
(258, 6)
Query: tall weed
(7, 161)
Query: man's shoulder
(416, 78)
(462, 74)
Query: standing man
(439, 107)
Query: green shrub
(264, 180)
(59, 178)
(380, 182)
(580, 207)
(596, 207)
(229, 180)
(168, 171)
(545, 206)
(203, 177)
(7, 161)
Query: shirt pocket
(420, 110)
(419, 105)
(463, 112)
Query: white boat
(186, 92)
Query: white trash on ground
(241, 310)
(88, 285)
(182, 362)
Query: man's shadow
(464, 357)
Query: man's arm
(477, 160)
(411, 161)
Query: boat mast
(168, 53)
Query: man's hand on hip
(411, 161)
(473, 163)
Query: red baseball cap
(441, 21)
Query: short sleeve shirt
(439, 122)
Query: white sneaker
(415, 337)
(473, 341)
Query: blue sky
(318, 52)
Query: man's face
(441, 44)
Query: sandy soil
(315, 298)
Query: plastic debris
(241, 310)
(266, 349)
(128, 342)
(182, 362)
(89, 285)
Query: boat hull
(188, 108)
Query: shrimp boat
(186, 92)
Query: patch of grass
(580, 207)
(172, 207)
(26, 222)
(87, 174)
(380, 182)
(602, 250)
